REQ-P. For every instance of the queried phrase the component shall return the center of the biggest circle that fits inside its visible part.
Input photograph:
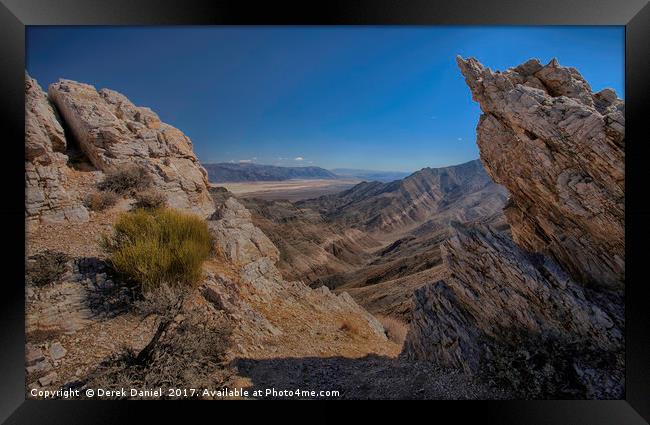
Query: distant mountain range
(245, 172)
(226, 172)
(371, 175)
(459, 192)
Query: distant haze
(227, 172)
(371, 175)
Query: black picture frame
(15, 15)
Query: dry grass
(158, 247)
(149, 200)
(100, 201)
(395, 329)
(125, 179)
(349, 327)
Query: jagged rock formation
(47, 198)
(495, 288)
(544, 310)
(113, 132)
(559, 150)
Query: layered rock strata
(543, 307)
(559, 149)
(495, 290)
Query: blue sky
(381, 98)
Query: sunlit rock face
(113, 132)
(559, 150)
(47, 199)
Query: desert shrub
(395, 329)
(99, 201)
(126, 179)
(152, 247)
(45, 267)
(186, 351)
(149, 200)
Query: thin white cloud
(299, 158)
(460, 139)
(245, 161)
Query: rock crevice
(47, 195)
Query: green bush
(126, 179)
(161, 246)
(149, 200)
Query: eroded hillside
(379, 241)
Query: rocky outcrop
(495, 289)
(46, 197)
(83, 293)
(559, 150)
(113, 132)
(268, 282)
(236, 237)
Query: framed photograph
(371, 200)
